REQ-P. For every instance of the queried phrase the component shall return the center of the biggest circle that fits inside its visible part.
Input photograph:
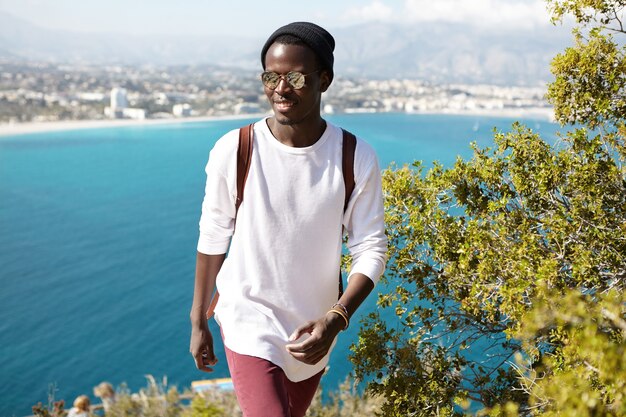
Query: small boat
(225, 384)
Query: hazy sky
(260, 17)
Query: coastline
(16, 129)
(541, 113)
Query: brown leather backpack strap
(347, 156)
(349, 148)
(244, 157)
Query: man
(278, 310)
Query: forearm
(359, 287)
(207, 268)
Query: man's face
(291, 106)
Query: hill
(436, 52)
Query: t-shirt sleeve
(218, 206)
(364, 216)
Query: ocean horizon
(98, 230)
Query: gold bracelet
(343, 308)
(342, 314)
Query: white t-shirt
(284, 257)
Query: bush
(507, 271)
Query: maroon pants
(263, 389)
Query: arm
(216, 228)
(201, 344)
(324, 330)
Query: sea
(98, 233)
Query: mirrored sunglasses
(295, 79)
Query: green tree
(507, 271)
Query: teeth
(283, 104)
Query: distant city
(46, 92)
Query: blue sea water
(98, 230)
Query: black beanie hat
(315, 37)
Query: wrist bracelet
(345, 310)
(342, 315)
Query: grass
(159, 399)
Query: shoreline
(17, 129)
(541, 113)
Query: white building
(118, 98)
(246, 108)
(181, 110)
(130, 113)
(119, 107)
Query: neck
(300, 135)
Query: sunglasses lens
(270, 79)
(295, 79)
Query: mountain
(436, 52)
(450, 52)
(26, 41)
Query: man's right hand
(201, 345)
(201, 348)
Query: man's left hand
(322, 334)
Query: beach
(13, 129)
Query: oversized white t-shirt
(284, 255)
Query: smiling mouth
(283, 104)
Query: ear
(325, 80)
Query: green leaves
(590, 81)
(475, 251)
(604, 12)
(586, 374)
(509, 269)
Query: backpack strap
(244, 156)
(348, 150)
(347, 156)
